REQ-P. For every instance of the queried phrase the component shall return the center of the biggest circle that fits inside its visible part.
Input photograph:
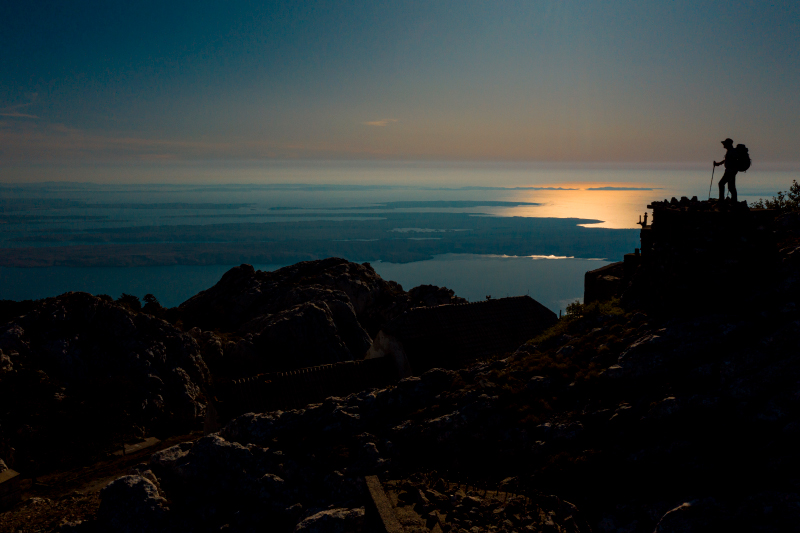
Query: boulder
(218, 464)
(333, 521)
(169, 457)
(304, 335)
(133, 504)
(341, 310)
(211, 347)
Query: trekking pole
(713, 168)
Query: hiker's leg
(732, 186)
(721, 184)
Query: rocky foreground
(83, 372)
(89, 373)
(615, 419)
(643, 423)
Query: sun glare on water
(616, 208)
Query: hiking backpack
(742, 158)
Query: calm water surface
(616, 198)
(552, 282)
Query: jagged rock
(302, 336)
(211, 348)
(6, 364)
(169, 457)
(244, 293)
(133, 504)
(214, 460)
(72, 526)
(358, 299)
(333, 521)
(448, 415)
(78, 358)
(271, 484)
(341, 310)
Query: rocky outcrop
(311, 313)
(82, 371)
(303, 470)
(337, 304)
(333, 521)
(133, 504)
(641, 421)
(244, 294)
(431, 502)
(88, 372)
(301, 336)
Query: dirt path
(73, 495)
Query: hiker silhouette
(731, 168)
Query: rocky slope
(646, 421)
(244, 294)
(87, 372)
(78, 373)
(311, 313)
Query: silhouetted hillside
(90, 373)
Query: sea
(482, 230)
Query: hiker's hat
(727, 141)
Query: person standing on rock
(730, 171)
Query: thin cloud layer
(17, 115)
(12, 111)
(38, 141)
(381, 123)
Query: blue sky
(160, 84)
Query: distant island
(318, 237)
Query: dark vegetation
(785, 201)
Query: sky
(152, 87)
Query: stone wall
(449, 336)
(689, 250)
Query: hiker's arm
(718, 164)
